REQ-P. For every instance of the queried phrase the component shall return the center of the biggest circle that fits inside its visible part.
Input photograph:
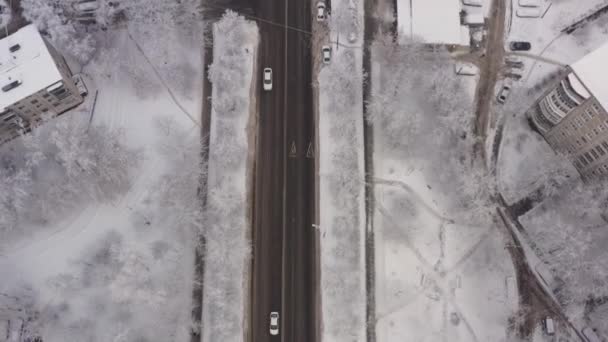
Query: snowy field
(120, 269)
(341, 169)
(227, 236)
(544, 33)
(442, 273)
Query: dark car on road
(520, 46)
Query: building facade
(35, 81)
(572, 115)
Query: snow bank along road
(283, 247)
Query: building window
(588, 157)
(605, 144)
(599, 149)
(584, 139)
(34, 101)
(46, 95)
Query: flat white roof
(578, 86)
(592, 70)
(433, 21)
(31, 64)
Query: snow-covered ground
(442, 273)
(227, 250)
(121, 270)
(569, 234)
(525, 160)
(341, 169)
(544, 33)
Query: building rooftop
(433, 21)
(592, 72)
(26, 66)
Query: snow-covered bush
(60, 164)
(51, 18)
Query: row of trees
(227, 248)
(342, 222)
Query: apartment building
(35, 80)
(572, 115)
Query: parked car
(267, 79)
(274, 323)
(85, 6)
(520, 46)
(548, 326)
(326, 52)
(514, 64)
(513, 76)
(529, 3)
(320, 11)
(528, 12)
(476, 3)
(503, 94)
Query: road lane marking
(310, 153)
(292, 150)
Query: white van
(590, 335)
(549, 326)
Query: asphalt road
(283, 247)
(490, 66)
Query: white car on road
(267, 79)
(320, 11)
(326, 50)
(274, 323)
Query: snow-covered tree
(60, 164)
